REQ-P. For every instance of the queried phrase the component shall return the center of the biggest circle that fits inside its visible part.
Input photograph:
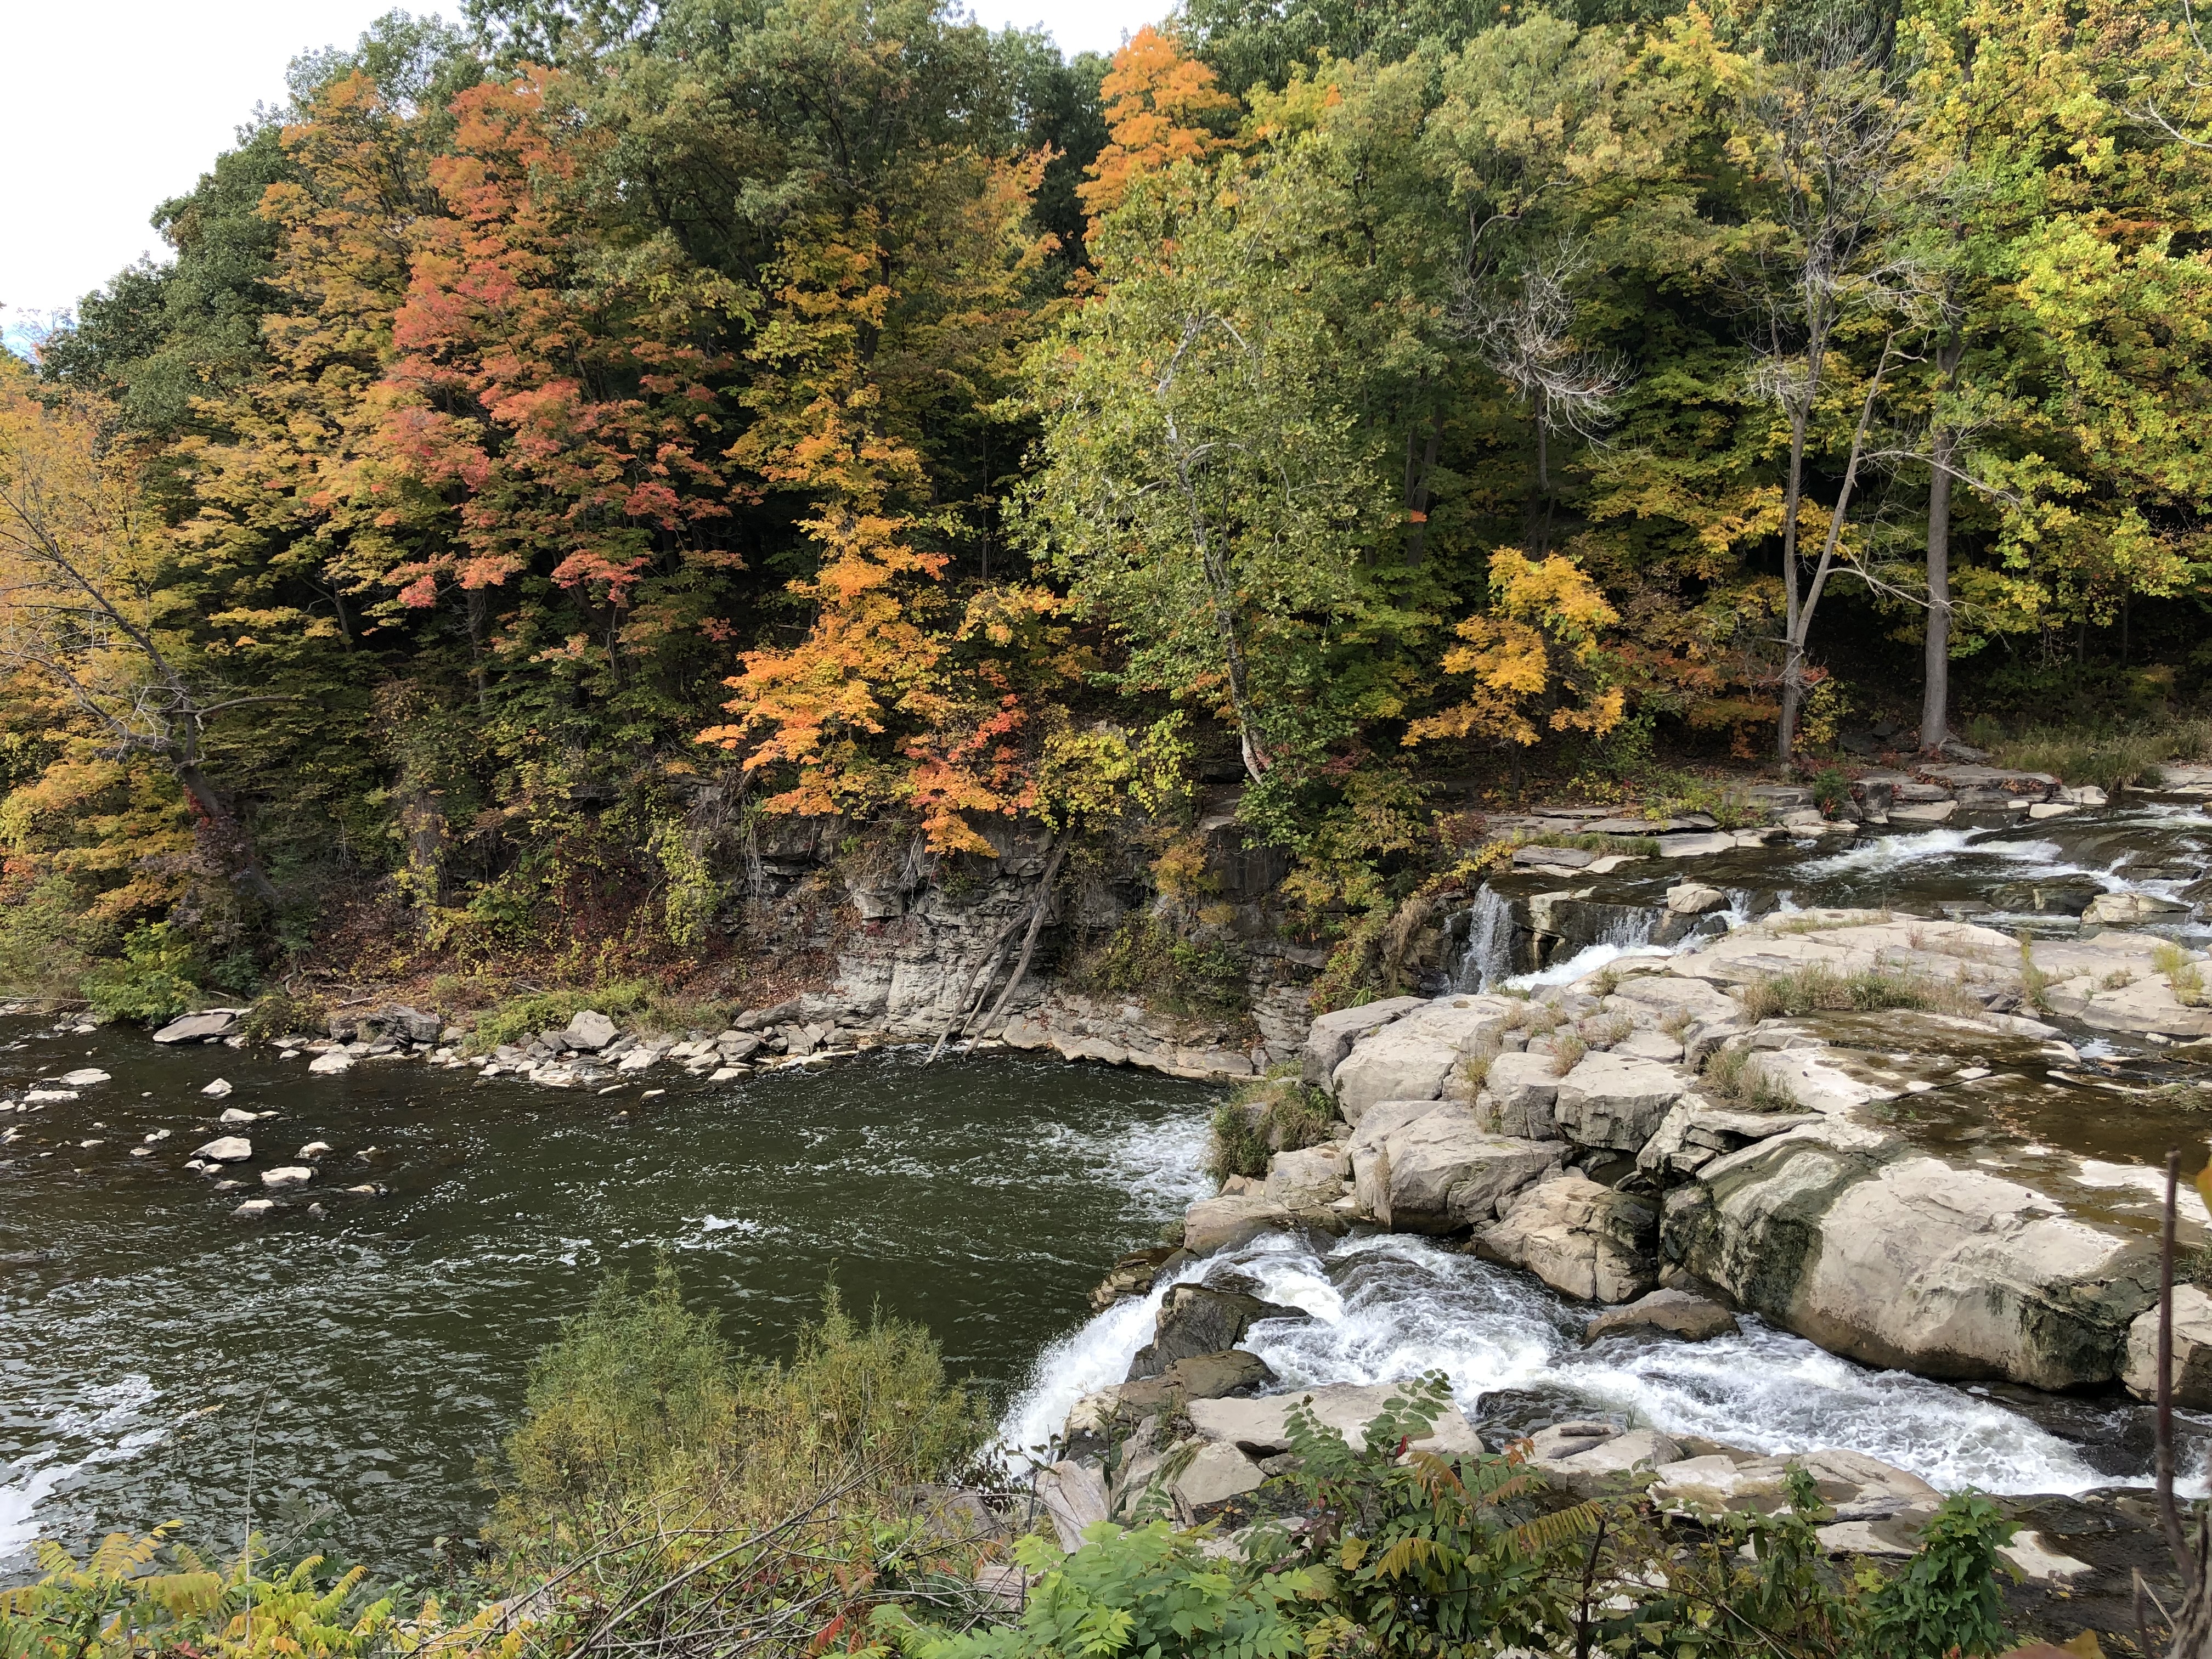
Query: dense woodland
(558, 429)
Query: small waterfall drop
(1489, 956)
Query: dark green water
(153, 1351)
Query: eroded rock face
(1615, 1101)
(1313, 1176)
(1440, 1170)
(2192, 1351)
(1581, 1238)
(1896, 1258)
(1413, 1056)
(1260, 1427)
(1330, 1037)
(1517, 1097)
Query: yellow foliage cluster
(1543, 636)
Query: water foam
(1588, 960)
(1384, 1307)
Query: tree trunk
(1793, 657)
(1935, 687)
(237, 854)
(1935, 662)
(1421, 486)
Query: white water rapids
(1391, 1306)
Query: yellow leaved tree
(79, 615)
(1537, 655)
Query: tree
(1830, 134)
(78, 612)
(1204, 488)
(1158, 99)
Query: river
(155, 1355)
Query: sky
(175, 79)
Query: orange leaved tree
(1156, 98)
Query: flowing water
(349, 1375)
(156, 1356)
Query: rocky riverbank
(1832, 1120)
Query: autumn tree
(79, 613)
(1160, 104)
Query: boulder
(1615, 1101)
(255, 1209)
(1677, 1313)
(1075, 1498)
(290, 1174)
(1582, 1239)
(1413, 1056)
(1695, 898)
(1895, 1258)
(1228, 1374)
(1259, 1427)
(589, 1030)
(2192, 1351)
(313, 1150)
(412, 1023)
(1195, 1320)
(1857, 1487)
(1304, 1179)
(1330, 1037)
(1520, 1090)
(1213, 1474)
(233, 1114)
(1442, 1171)
(214, 1090)
(226, 1149)
(329, 1065)
(199, 1028)
(86, 1076)
(1214, 1224)
(1592, 1458)
(2128, 909)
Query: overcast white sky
(87, 161)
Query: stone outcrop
(1416, 1055)
(1894, 1258)
(1607, 1100)
(1676, 1313)
(1260, 1427)
(2192, 1352)
(1582, 1239)
(1441, 1171)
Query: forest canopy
(552, 430)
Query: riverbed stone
(200, 1027)
(1858, 1487)
(1520, 1090)
(85, 1077)
(1592, 1460)
(1260, 1427)
(1330, 1037)
(1677, 1313)
(1198, 1319)
(588, 1030)
(226, 1149)
(1230, 1373)
(255, 1209)
(331, 1064)
(1313, 1176)
(1896, 1258)
(1214, 1224)
(1581, 1238)
(2129, 909)
(2192, 1351)
(1443, 1171)
(289, 1175)
(1615, 1101)
(1695, 898)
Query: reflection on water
(369, 1361)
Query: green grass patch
(1263, 1117)
(1820, 989)
(636, 1002)
(2114, 759)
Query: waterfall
(1630, 928)
(1489, 956)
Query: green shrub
(1831, 790)
(517, 1019)
(43, 941)
(1263, 1117)
(156, 979)
(1147, 960)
